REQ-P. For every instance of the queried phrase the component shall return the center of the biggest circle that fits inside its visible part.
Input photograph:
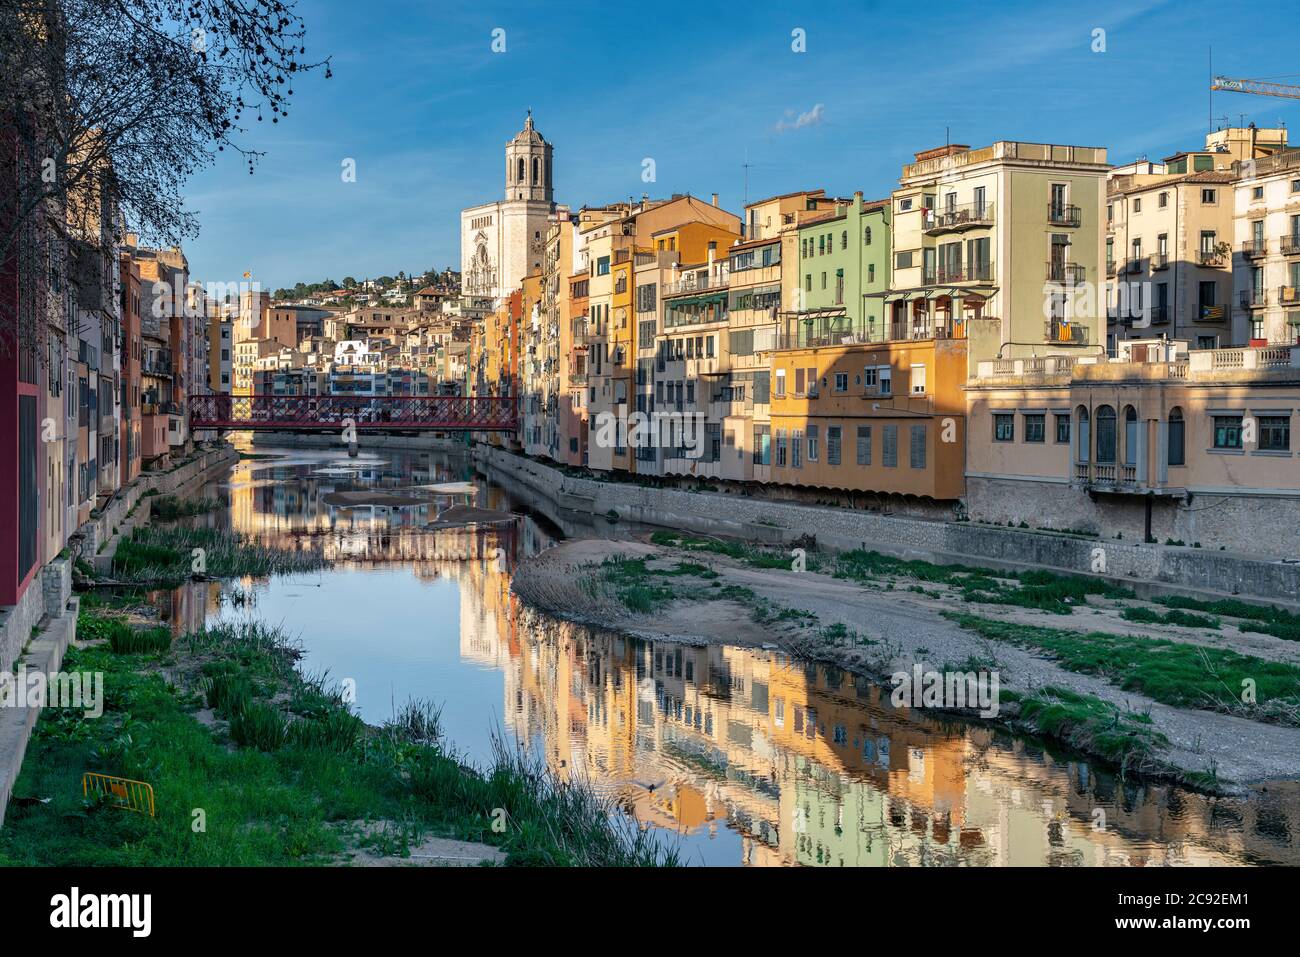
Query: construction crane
(1260, 87)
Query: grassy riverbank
(254, 764)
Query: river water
(734, 755)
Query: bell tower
(528, 165)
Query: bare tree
(108, 107)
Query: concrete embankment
(1146, 568)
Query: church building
(501, 242)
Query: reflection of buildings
(814, 766)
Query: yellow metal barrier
(123, 792)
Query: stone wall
(1167, 568)
(1264, 525)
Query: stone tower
(528, 166)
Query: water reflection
(746, 756)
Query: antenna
(745, 166)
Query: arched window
(537, 167)
(1105, 435)
(866, 236)
(844, 239)
(1177, 437)
(1130, 435)
(520, 177)
(1084, 438)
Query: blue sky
(425, 107)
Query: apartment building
(131, 422)
(699, 233)
(1160, 443)
(1012, 231)
(1168, 256)
(1266, 249)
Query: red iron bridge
(441, 413)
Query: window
(780, 448)
(1176, 438)
(762, 445)
(866, 236)
(1062, 428)
(1137, 205)
(602, 266)
(904, 205)
(1275, 433)
(1036, 427)
(1209, 196)
(813, 437)
(1085, 446)
(885, 377)
(918, 379)
(841, 382)
(779, 388)
(1227, 431)
(864, 445)
(844, 239)
(1130, 435)
(1106, 438)
(1163, 200)
(889, 446)
(1004, 427)
(903, 260)
(796, 449)
(916, 447)
(869, 380)
(833, 445)
(1257, 192)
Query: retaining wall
(1159, 567)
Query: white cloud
(813, 117)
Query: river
(736, 756)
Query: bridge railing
(365, 413)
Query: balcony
(1210, 257)
(1106, 475)
(1060, 215)
(1254, 249)
(1071, 274)
(1064, 332)
(1288, 295)
(959, 218)
(1110, 269)
(1291, 245)
(1252, 298)
(697, 283)
(1132, 267)
(1159, 315)
(1159, 261)
(971, 272)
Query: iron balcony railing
(1288, 295)
(1254, 248)
(1063, 215)
(1159, 261)
(1252, 298)
(1072, 274)
(1291, 245)
(955, 218)
(1057, 331)
(970, 272)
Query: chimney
(715, 199)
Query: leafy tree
(107, 107)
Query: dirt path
(906, 628)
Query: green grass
(1085, 722)
(290, 778)
(168, 508)
(1173, 673)
(1262, 619)
(167, 554)
(749, 554)
(1187, 619)
(1043, 590)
